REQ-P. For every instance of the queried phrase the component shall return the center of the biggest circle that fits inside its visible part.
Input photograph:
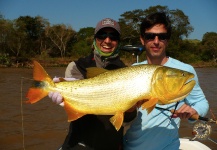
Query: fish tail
(41, 81)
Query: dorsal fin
(94, 71)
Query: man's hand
(185, 112)
(56, 97)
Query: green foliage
(209, 43)
(5, 60)
(81, 48)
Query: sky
(86, 13)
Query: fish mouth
(189, 85)
(189, 80)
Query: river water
(44, 125)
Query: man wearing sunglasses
(92, 132)
(159, 129)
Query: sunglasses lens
(151, 36)
(112, 35)
(163, 36)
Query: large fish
(114, 92)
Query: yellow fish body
(114, 92)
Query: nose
(156, 40)
(107, 40)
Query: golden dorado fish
(115, 91)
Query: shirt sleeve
(72, 71)
(196, 99)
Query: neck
(157, 61)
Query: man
(92, 131)
(159, 130)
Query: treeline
(34, 37)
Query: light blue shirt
(157, 130)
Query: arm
(195, 102)
(72, 71)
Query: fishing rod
(197, 117)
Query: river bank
(63, 62)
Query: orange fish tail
(41, 80)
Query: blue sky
(86, 13)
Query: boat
(187, 144)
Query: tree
(129, 23)
(84, 33)
(5, 27)
(11, 39)
(180, 24)
(209, 43)
(84, 42)
(60, 35)
(34, 29)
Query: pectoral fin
(71, 112)
(150, 104)
(117, 120)
(150, 108)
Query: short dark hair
(156, 18)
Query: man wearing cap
(93, 132)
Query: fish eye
(183, 74)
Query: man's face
(155, 41)
(107, 40)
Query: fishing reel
(201, 131)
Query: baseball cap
(107, 22)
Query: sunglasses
(151, 36)
(114, 36)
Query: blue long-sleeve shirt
(157, 130)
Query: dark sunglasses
(114, 36)
(151, 36)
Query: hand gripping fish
(115, 91)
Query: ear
(142, 40)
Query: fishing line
(21, 110)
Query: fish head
(171, 85)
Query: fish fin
(150, 108)
(39, 74)
(117, 120)
(71, 112)
(35, 94)
(94, 71)
(150, 104)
